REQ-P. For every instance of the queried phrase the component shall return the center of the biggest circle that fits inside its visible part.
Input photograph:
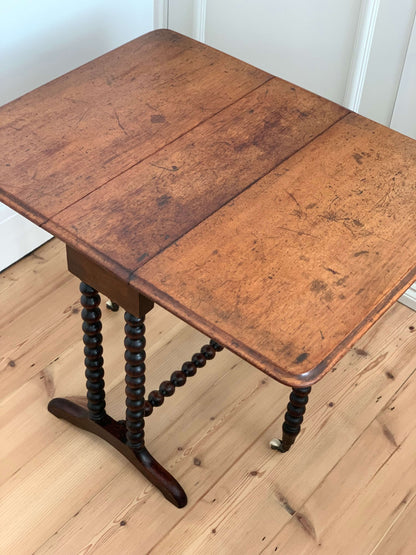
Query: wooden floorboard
(347, 486)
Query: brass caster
(112, 306)
(275, 444)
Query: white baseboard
(409, 298)
(18, 237)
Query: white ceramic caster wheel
(275, 444)
(112, 306)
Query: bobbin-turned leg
(89, 414)
(93, 351)
(135, 377)
(293, 419)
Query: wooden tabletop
(269, 218)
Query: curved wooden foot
(75, 412)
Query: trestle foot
(75, 412)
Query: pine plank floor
(348, 486)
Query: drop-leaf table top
(271, 219)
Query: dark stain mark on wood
(197, 462)
(307, 525)
(341, 281)
(168, 169)
(330, 404)
(118, 121)
(12, 363)
(357, 223)
(389, 435)
(378, 398)
(214, 530)
(123, 522)
(322, 335)
(411, 328)
(330, 215)
(157, 118)
(286, 505)
(298, 212)
(75, 310)
(48, 381)
(301, 358)
(359, 291)
(358, 157)
(361, 352)
(390, 375)
(142, 257)
(360, 253)
(163, 200)
(332, 271)
(253, 473)
(328, 296)
(311, 205)
(317, 286)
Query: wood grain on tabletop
(145, 209)
(72, 135)
(298, 266)
(316, 193)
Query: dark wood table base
(115, 433)
(127, 436)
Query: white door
(404, 119)
(42, 40)
(359, 53)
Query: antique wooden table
(274, 221)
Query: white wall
(41, 40)
(309, 43)
(304, 42)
